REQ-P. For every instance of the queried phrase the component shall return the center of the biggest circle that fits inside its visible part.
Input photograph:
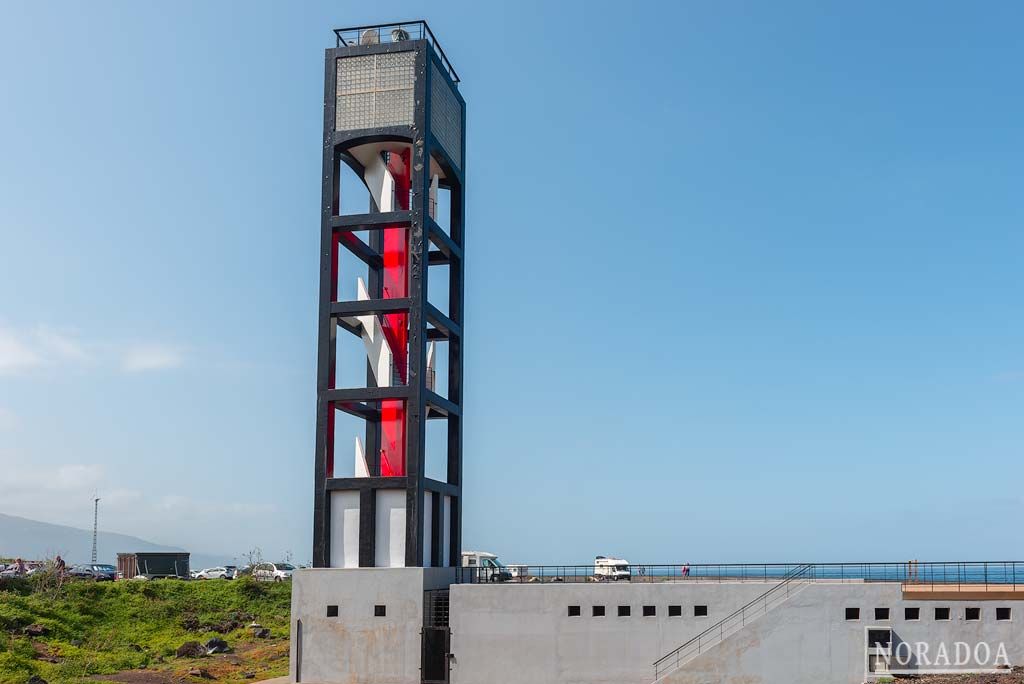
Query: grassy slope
(97, 629)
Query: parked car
(94, 571)
(8, 570)
(219, 572)
(81, 572)
(273, 572)
(104, 572)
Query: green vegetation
(94, 628)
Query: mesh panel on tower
(445, 116)
(375, 90)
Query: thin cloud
(151, 357)
(27, 349)
(63, 493)
(24, 350)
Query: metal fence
(1001, 574)
(376, 34)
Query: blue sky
(772, 309)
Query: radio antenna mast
(95, 524)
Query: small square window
(380, 611)
(700, 611)
(650, 611)
(912, 613)
(942, 614)
(598, 611)
(623, 611)
(972, 614)
(853, 613)
(574, 611)
(332, 611)
(881, 613)
(1002, 614)
(675, 611)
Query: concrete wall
(808, 640)
(510, 634)
(515, 633)
(357, 647)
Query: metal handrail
(718, 629)
(417, 30)
(1001, 574)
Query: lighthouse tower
(394, 129)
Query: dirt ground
(248, 663)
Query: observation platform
(963, 592)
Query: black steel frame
(429, 245)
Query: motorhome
(486, 566)
(611, 568)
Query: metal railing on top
(1001, 574)
(374, 34)
(716, 633)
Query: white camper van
(611, 568)
(487, 566)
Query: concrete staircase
(790, 585)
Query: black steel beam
(350, 327)
(456, 305)
(436, 531)
(442, 322)
(346, 139)
(442, 240)
(335, 484)
(438, 258)
(441, 487)
(352, 243)
(327, 330)
(380, 221)
(438, 403)
(357, 394)
(366, 307)
(367, 528)
(360, 410)
(416, 410)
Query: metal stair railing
(726, 626)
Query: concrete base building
(726, 625)
(387, 601)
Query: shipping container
(153, 565)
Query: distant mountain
(31, 539)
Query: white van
(611, 568)
(487, 567)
